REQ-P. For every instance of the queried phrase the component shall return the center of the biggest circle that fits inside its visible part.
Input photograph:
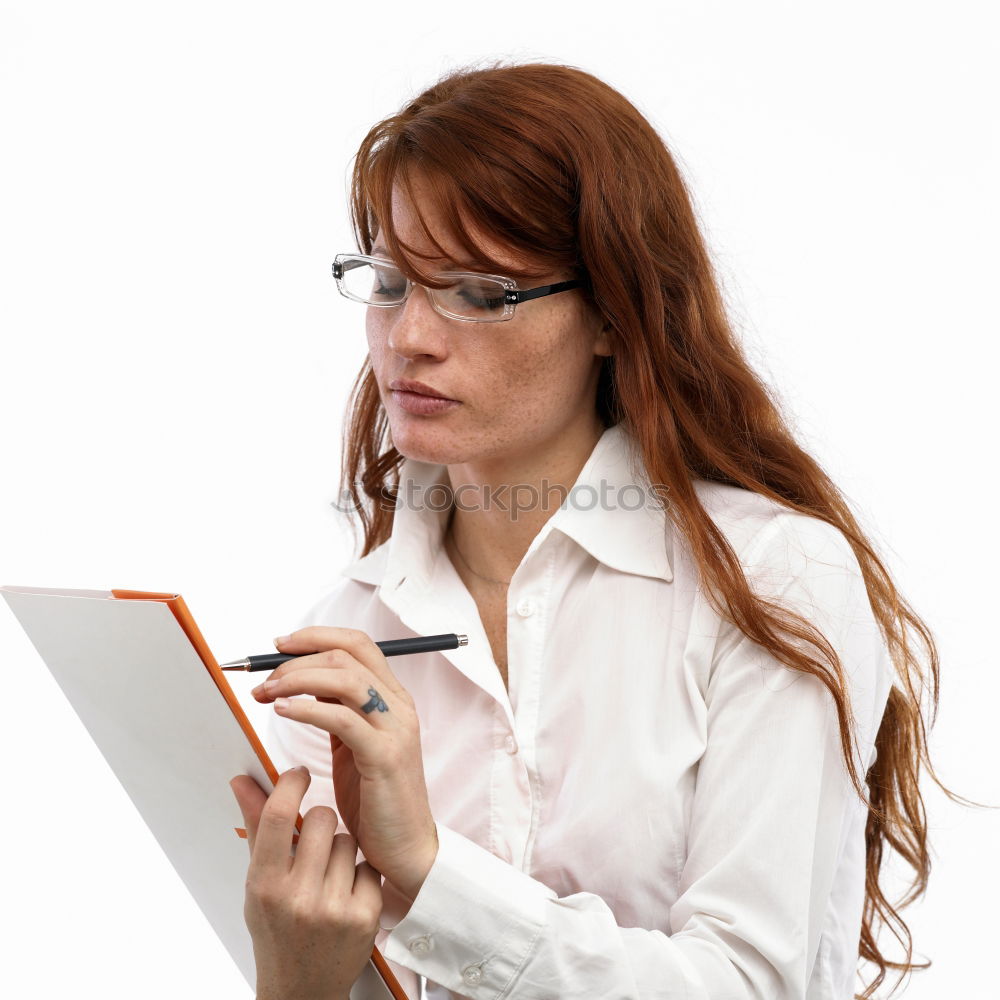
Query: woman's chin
(425, 444)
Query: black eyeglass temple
(536, 293)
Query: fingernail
(281, 639)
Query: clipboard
(116, 652)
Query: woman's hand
(378, 772)
(313, 917)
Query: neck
(531, 486)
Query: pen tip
(232, 666)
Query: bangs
(445, 198)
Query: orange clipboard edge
(184, 618)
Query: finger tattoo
(375, 702)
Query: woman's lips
(413, 385)
(415, 402)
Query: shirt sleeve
(772, 805)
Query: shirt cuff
(474, 922)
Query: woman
(643, 775)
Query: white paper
(155, 713)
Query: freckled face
(520, 383)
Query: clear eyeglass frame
(512, 295)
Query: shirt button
(472, 974)
(511, 744)
(525, 608)
(420, 945)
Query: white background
(176, 362)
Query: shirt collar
(627, 530)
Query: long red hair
(561, 169)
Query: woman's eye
(385, 286)
(476, 297)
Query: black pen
(389, 647)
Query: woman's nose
(416, 329)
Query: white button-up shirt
(659, 808)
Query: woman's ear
(602, 343)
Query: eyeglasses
(473, 298)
